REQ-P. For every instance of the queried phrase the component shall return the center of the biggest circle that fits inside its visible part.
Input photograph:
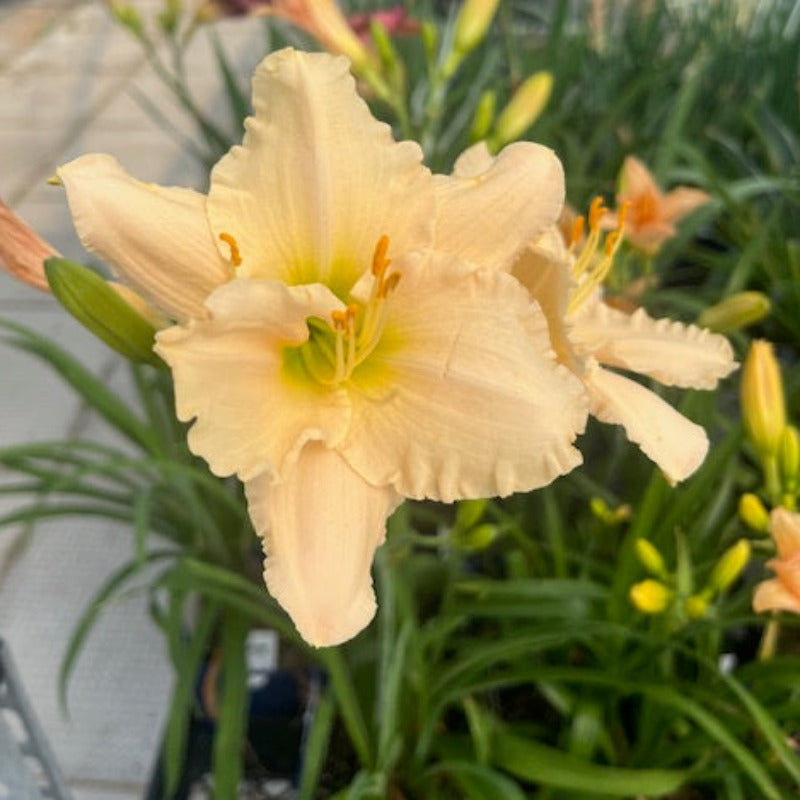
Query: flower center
(596, 258)
(335, 349)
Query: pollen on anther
(596, 210)
(389, 284)
(236, 257)
(379, 260)
(578, 228)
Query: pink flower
(782, 593)
(395, 20)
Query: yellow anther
(236, 258)
(578, 229)
(379, 261)
(611, 242)
(340, 320)
(596, 211)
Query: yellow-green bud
(169, 17)
(650, 558)
(101, 309)
(484, 116)
(472, 23)
(127, 15)
(763, 403)
(753, 513)
(469, 512)
(730, 566)
(524, 108)
(789, 458)
(608, 515)
(735, 312)
(475, 539)
(650, 596)
(696, 606)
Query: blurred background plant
(595, 638)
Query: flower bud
(608, 515)
(696, 606)
(472, 23)
(101, 309)
(789, 458)
(753, 513)
(475, 539)
(735, 312)
(524, 108)
(469, 512)
(763, 404)
(730, 566)
(484, 116)
(650, 596)
(650, 558)
(127, 16)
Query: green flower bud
(484, 116)
(762, 398)
(469, 512)
(753, 513)
(735, 312)
(730, 566)
(789, 458)
(650, 558)
(472, 23)
(101, 309)
(696, 606)
(524, 108)
(475, 539)
(128, 16)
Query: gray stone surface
(71, 82)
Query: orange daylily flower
(652, 214)
(22, 250)
(782, 593)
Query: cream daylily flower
(652, 214)
(782, 593)
(341, 342)
(586, 333)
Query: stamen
(236, 258)
(392, 279)
(596, 211)
(589, 270)
(379, 261)
(576, 234)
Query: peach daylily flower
(652, 214)
(782, 593)
(586, 333)
(323, 19)
(346, 334)
(22, 251)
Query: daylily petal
(252, 414)
(462, 397)
(682, 201)
(543, 270)
(670, 352)
(317, 180)
(788, 572)
(487, 215)
(784, 527)
(636, 180)
(772, 595)
(156, 238)
(677, 445)
(321, 526)
(22, 250)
